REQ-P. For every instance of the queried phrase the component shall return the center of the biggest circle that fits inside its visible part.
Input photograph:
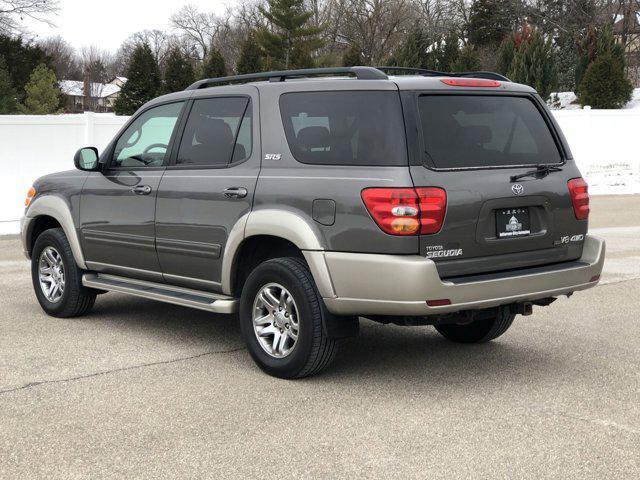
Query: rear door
(471, 145)
(208, 187)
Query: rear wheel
(281, 318)
(57, 280)
(478, 331)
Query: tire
(312, 351)
(478, 331)
(75, 299)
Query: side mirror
(86, 159)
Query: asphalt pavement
(139, 389)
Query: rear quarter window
(472, 131)
(345, 128)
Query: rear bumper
(366, 284)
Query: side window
(218, 132)
(145, 142)
(345, 127)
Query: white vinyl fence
(605, 144)
(35, 145)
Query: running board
(211, 302)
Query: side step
(211, 302)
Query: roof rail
(409, 70)
(361, 73)
(435, 73)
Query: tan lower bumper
(365, 284)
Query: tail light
(579, 191)
(406, 211)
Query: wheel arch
(283, 233)
(50, 211)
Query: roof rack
(409, 70)
(487, 75)
(435, 73)
(361, 73)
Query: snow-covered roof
(75, 88)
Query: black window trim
(172, 165)
(109, 164)
(532, 98)
(347, 165)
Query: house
(626, 28)
(100, 98)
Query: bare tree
(12, 11)
(159, 41)
(64, 58)
(197, 26)
(375, 27)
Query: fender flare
(55, 207)
(283, 224)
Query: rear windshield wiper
(541, 171)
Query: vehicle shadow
(380, 354)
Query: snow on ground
(619, 178)
(635, 100)
(569, 101)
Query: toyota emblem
(517, 189)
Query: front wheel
(57, 280)
(281, 319)
(478, 331)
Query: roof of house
(75, 88)
(624, 18)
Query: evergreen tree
(414, 51)
(490, 21)
(533, 64)
(250, 58)
(468, 60)
(421, 51)
(450, 52)
(43, 94)
(505, 55)
(8, 103)
(566, 63)
(597, 42)
(353, 57)
(178, 73)
(291, 42)
(144, 81)
(604, 84)
(214, 65)
(21, 59)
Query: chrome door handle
(235, 192)
(141, 190)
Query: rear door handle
(235, 192)
(141, 190)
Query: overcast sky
(107, 23)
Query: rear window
(470, 131)
(345, 128)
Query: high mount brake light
(470, 82)
(579, 191)
(406, 211)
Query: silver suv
(302, 200)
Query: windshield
(471, 131)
